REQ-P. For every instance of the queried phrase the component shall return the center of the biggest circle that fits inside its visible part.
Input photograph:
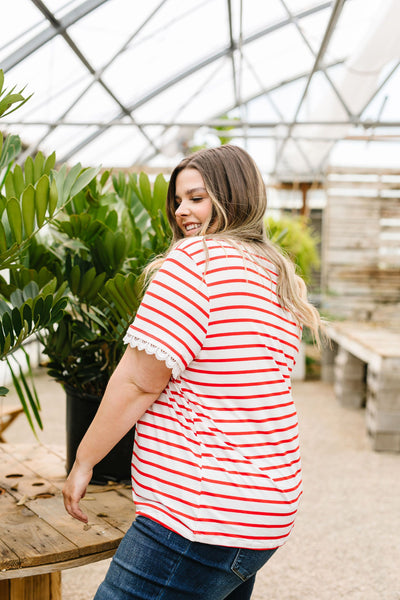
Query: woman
(216, 472)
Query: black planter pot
(116, 466)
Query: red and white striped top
(216, 457)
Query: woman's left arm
(135, 384)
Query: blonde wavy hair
(237, 192)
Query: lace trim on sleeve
(159, 353)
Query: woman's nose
(182, 209)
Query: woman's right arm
(135, 384)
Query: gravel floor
(346, 542)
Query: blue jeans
(154, 563)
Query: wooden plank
(376, 340)
(33, 540)
(8, 558)
(363, 170)
(390, 211)
(367, 203)
(343, 275)
(55, 567)
(36, 534)
(353, 197)
(343, 256)
(116, 509)
(42, 587)
(370, 185)
(98, 536)
(55, 586)
(21, 481)
(341, 226)
(45, 501)
(359, 229)
(348, 287)
(43, 461)
(4, 589)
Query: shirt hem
(213, 540)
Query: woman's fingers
(75, 489)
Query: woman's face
(194, 207)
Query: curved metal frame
(233, 51)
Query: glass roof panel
(322, 101)
(287, 98)
(385, 105)
(263, 108)
(281, 51)
(356, 20)
(103, 33)
(49, 73)
(187, 63)
(94, 104)
(61, 7)
(199, 91)
(118, 146)
(65, 137)
(257, 15)
(300, 5)
(313, 28)
(169, 52)
(24, 20)
(31, 133)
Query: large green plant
(31, 194)
(296, 238)
(98, 247)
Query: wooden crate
(361, 245)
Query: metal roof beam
(378, 89)
(234, 123)
(225, 52)
(329, 80)
(144, 156)
(232, 46)
(193, 69)
(43, 37)
(337, 9)
(34, 147)
(280, 115)
(52, 19)
(267, 91)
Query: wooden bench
(363, 363)
(38, 539)
(8, 414)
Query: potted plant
(30, 196)
(98, 247)
(296, 238)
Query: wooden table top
(376, 339)
(36, 534)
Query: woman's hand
(75, 489)
(135, 384)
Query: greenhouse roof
(300, 83)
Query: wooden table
(364, 366)
(38, 539)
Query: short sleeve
(172, 319)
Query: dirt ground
(346, 541)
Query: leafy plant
(297, 239)
(7, 99)
(99, 246)
(30, 197)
